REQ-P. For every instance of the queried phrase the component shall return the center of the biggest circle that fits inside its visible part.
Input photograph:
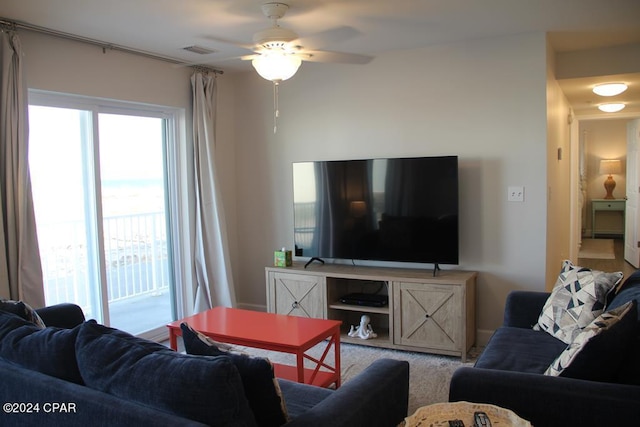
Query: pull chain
(276, 111)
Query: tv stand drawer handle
(427, 316)
(295, 304)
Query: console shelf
(361, 308)
(425, 313)
(382, 340)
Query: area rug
(597, 249)
(429, 374)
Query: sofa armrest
(378, 396)
(523, 308)
(548, 401)
(65, 315)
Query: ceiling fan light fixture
(609, 89)
(276, 66)
(613, 107)
(276, 35)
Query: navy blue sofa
(509, 372)
(376, 397)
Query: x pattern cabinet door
(430, 316)
(299, 295)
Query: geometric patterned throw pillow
(596, 352)
(23, 310)
(578, 297)
(213, 348)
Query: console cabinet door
(428, 316)
(297, 295)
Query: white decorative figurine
(364, 331)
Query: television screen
(399, 209)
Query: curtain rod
(13, 25)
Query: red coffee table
(276, 332)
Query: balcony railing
(135, 253)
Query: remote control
(456, 423)
(481, 419)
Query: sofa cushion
(578, 297)
(260, 385)
(23, 310)
(596, 352)
(200, 388)
(628, 291)
(629, 372)
(520, 350)
(49, 350)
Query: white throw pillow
(577, 298)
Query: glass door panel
(62, 201)
(103, 230)
(135, 221)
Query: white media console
(425, 313)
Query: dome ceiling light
(609, 89)
(613, 107)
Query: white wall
(71, 67)
(604, 139)
(481, 100)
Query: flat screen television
(396, 209)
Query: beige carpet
(429, 374)
(597, 249)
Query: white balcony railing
(136, 260)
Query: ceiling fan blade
(336, 57)
(231, 42)
(326, 38)
(249, 57)
(206, 62)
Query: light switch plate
(515, 194)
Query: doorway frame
(576, 148)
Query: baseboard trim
(482, 336)
(254, 307)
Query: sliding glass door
(99, 181)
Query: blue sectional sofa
(510, 371)
(79, 373)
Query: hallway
(610, 265)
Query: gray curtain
(212, 267)
(20, 268)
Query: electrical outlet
(515, 194)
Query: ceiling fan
(278, 52)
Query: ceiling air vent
(199, 50)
